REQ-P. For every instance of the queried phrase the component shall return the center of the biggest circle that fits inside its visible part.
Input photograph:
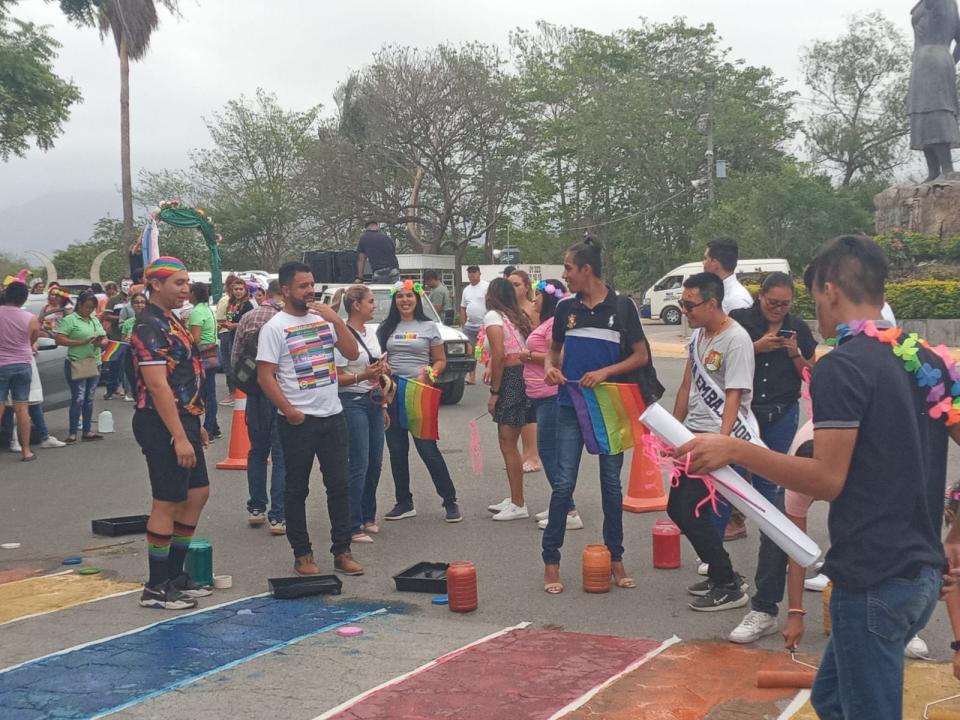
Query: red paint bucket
(666, 545)
(462, 586)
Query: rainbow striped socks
(182, 535)
(158, 552)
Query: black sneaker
(453, 514)
(720, 597)
(215, 435)
(165, 597)
(185, 584)
(401, 511)
(704, 587)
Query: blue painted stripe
(101, 678)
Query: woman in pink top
(543, 396)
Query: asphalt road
(48, 505)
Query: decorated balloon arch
(174, 213)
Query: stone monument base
(930, 208)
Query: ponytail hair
(588, 251)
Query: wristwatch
(955, 646)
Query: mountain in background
(52, 221)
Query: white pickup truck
(460, 359)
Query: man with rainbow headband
(166, 424)
(885, 404)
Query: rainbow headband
(944, 392)
(163, 267)
(406, 285)
(549, 289)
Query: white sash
(745, 427)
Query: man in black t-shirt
(880, 455)
(380, 249)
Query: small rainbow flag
(111, 350)
(416, 408)
(609, 416)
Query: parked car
(50, 357)
(460, 360)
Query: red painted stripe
(521, 675)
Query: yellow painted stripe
(36, 596)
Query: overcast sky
(301, 49)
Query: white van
(663, 299)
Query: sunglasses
(688, 306)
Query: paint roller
(787, 679)
(934, 713)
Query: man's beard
(299, 305)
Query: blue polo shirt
(595, 338)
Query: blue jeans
(210, 423)
(861, 672)
(81, 400)
(264, 435)
(398, 441)
(546, 410)
(569, 450)
(365, 426)
(226, 347)
(114, 374)
(36, 418)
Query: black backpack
(646, 377)
(243, 373)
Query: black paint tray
(127, 525)
(295, 587)
(426, 577)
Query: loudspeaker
(345, 266)
(321, 264)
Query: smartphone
(788, 334)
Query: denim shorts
(15, 380)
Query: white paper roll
(739, 493)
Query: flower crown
(550, 289)
(406, 285)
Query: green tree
(34, 101)
(858, 83)
(131, 24)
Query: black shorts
(168, 481)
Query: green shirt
(202, 315)
(440, 299)
(126, 328)
(75, 327)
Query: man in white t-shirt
(720, 258)
(296, 371)
(473, 306)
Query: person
(365, 409)
(262, 427)
(414, 350)
(296, 371)
(505, 328)
(714, 396)
(203, 329)
(439, 295)
(508, 271)
(473, 307)
(720, 258)
(224, 333)
(110, 319)
(82, 334)
(381, 250)
(543, 397)
(240, 304)
(597, 337)
(166, 426)
(886, 498)
(138, 303)
(259, 295)
(19, 331)
(38, 287)
(783, 349)
(528, 436)
(59, 304)
(38, 420)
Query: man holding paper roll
(714, 397)
(880, 455)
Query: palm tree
(131, 23)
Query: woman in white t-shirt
(365, 412)
(414, 350)
(505, 328)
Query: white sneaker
(703, 569)
(816, 584)
(916, 649)
(497, 507)
(574, 522)
(753, 627)
(542, 515)
(15, 445)
(512, 512)
(52, 442)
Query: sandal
(70, 439)
(529, 467)
(29, 458)
(92, 436)
(626, 582)
(554, 588)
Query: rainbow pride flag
(609, 416)
(111, 350)
(416, 408)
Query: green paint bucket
(199, 562)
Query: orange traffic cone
(645, 491)
(239, 442)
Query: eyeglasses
(688, 306)
(778, 303)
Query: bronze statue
(932, 98)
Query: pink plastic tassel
(476, 453)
